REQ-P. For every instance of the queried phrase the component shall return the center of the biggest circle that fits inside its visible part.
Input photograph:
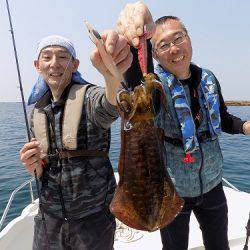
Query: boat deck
(19, 232)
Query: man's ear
(76, 63)
(37, 66)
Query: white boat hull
(18, 234)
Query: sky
(219, 30)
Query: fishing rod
(18, 72)
(248, 234)
(25, 114)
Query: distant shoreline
(237, 103)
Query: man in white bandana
(70, 124)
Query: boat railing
(230, 184)
(29, 182)
(6, 210)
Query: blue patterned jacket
(191, 179)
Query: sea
(236, 152)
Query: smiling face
(56, 65)
(177, 58)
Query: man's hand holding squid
(132, 20)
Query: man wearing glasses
(193, 117)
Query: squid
(145, 198)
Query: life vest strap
(66, 154)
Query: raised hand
(112, 58)
(132, 21)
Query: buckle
(53, 157)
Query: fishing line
(64, 73)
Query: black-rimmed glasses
(163, 46)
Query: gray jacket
(86, 184)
